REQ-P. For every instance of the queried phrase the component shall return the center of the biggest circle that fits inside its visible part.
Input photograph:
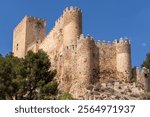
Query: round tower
(72, 25)
(123, 59)
(87, 65)
(83, 65)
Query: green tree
(65, 96)
(2, 96)
(11, 76)
(39, 77)
(49, 91)
(146, 62)
(27, 78)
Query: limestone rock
(117, 91)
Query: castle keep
(78, 59)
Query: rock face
(79, 60)
(114, 91)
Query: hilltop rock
(115, 91)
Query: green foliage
(146, 62)
(38, 74)
(133, 80)
(50, 88)
(10, 76)
(65, 96)
(146, 96)
(28, 78)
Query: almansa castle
(78, 59)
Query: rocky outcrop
(114, 91)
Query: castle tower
(87, 65)
(123, 59)
(28, 34)
(72, 25)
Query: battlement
(103, 43)
(59, 23)
(72, 9)
(78, 59)
(30, 18)
(87, 39)
(68, 12)
(35, 18)
(114, 43)
(39, 22)
(124, 41)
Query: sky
(102, 19)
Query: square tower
(28, 34)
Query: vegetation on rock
(65, 96)
(146, 62)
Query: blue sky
(102, 19)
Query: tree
(11, 76)
(38, 75)
(2, 96)
(49, 90)
(27, 78)
(146, 62)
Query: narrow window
(17, 47)
(145, 75)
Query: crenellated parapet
(121, 42)
(39, 21)
(69, 25)
(72, 9)
(123, 46)
(36, 31)
(69, 14)
(86, 41)
(114, 58)
(59, 23)
(104, 43)
(123, 58)
(31, 19)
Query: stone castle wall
(28, 35)
(19, 38)
(79, 60)
(107, 61)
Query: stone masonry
(80, 61)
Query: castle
(79, 60)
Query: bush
(50, 88)
(146, 96)
(133, 80)
(65, 96)
(146, 62)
